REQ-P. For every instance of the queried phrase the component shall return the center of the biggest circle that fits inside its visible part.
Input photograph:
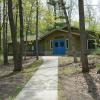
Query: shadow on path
(92, 89)
(8, 75)
(67, 64)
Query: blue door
(58, 47)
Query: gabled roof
(75, 31)
(55, 30)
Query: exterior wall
(41, 47)
(90, 37)
(45, 43)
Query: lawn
(12, 83)
(74, 85)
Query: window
(62, 44)
(91, 44)
(56, 44)
(51, 44)
(67, 44)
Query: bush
(97, 51)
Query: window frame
(51, 44)
(88, 44)
(66, 44)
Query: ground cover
(74, 85)
(12, 83)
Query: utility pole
(37, 29)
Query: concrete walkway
(44, 84)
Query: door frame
(59, 40)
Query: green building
(56, 42)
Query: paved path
(44, 84)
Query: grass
(97, 66)
(19, 80)
(32, 68)
(68, 68)
(28, 73)
(96, 60)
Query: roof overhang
(49, 33)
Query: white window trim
(51, 47)
(66, 44)
(87, 44)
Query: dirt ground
(12, 83)
(74, 85)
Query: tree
(5, 55)
(90, 16)
(83, 39)
(13, 36)
(37, 29)
(69, 30)
(71, 4)
(28, 20)
(0, 25)
(21, 45)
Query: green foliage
(10, 98)
(97, 51)
(46, 18)
(18, 89)
(75, 24)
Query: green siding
(45, 43)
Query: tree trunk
(13, 36)
(69, 31)
(0, 27)
(37, 12)
(98, 72)
(83, 39)
(28, 20)
(16, 16)
(5, 55)
(6, 31)
(21, 33)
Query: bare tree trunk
(55, 14)
(69, 31)
(28, 20)
(0, 27)
(6, 30)
(5, 56)
(98, 72)
(21, 33)
(37, 30)
(13, 36)
(83, 38)
(16, 16)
